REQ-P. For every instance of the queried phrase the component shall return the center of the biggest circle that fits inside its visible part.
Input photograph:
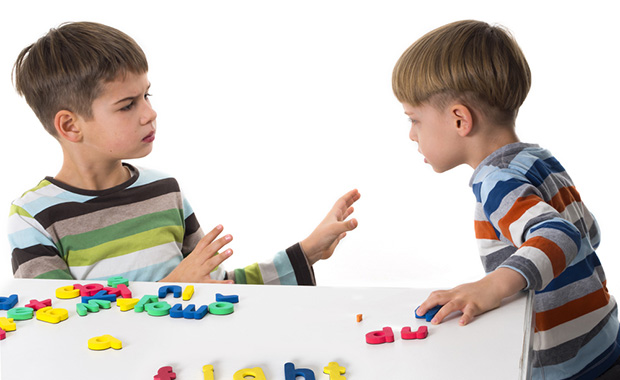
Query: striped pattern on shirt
(140, 230)
(530, 218)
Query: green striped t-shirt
(140, 230)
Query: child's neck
(486, 143)
(101, 177)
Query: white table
(271, 325)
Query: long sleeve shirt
(140, 229)
(530, 218)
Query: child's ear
(67, 127)
(463, 119)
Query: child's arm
(322, 242)
(293, 266)
(203, 260)
(474, 298)
(545, 244)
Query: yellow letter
(67, 292)
(207, 370)
(47, 314)
(335, 371)
(188, 292)
(7, 324)
(104, 342)
(256, 373)
(126, 303)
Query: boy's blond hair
(66, 68)
(469, 61)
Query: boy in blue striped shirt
(461, 86)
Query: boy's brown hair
(469, 61)
(66, 68)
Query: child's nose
(149, 114)
(413, 135)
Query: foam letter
(174, 289)
(165, 373)
(116, 280)
(7, 324)
(233, 298)
(88, 290)
(126, 303)
(100, 295)
(7, 303)
(407, 334)
(67, 292)
(207, 371)
(157, 309)
(20, 313)
(291, 373)
(104, 342)
(188, 292)
(378, 337)
(256, 373)
(221, 308)
(125, 292)
(47, 314)
(36, 305)
(139, 308)
(335, 371)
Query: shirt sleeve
(546, 242)
(33, 252)
(289, 267)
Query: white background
(270, 110)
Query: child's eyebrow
(133, 97)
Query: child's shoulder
(45, 188)
(42, 196)
(518, 159)
(147, 176)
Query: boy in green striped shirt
(100, 217)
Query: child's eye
(132, 104)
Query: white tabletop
(271, 325)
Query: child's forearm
(506, 282)
(474, 298)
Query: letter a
(256, 373)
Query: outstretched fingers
(348, 199)
(209, 246)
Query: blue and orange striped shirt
(530, 218)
